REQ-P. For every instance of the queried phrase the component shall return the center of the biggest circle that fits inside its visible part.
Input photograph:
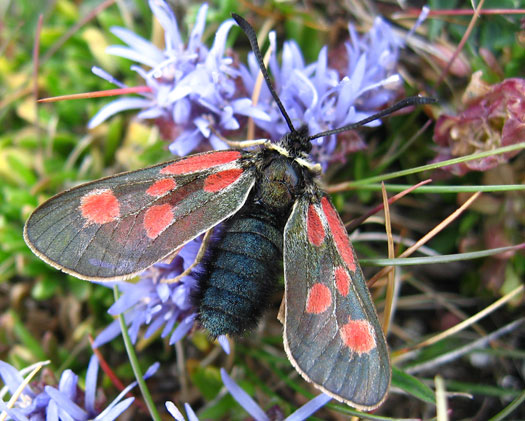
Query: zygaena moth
(273, 210)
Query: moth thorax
(280, 184)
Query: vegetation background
(46, 148)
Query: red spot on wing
(99, 206)
(156, 219)
(314, 227)
(358, 335)
(161, 187)
(218, 181)
(200, 162)
(342, 280)
(319, 299)
(339, 233)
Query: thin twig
(36, 51)
(428, 236)
(457, 353)
(356, 222)
(471, 320)
(391, 254)
(461, 44)
(98, 94)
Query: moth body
(244, 262)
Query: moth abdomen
(240, 272)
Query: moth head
(297, 142)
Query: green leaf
(481, 389)
(45, 289)
(22, 171)
(208, 381)
(412, 386)
(27, 338)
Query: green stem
(510, 408)
(410, 261)
(435, 165)
(135, 363)
(445, 189)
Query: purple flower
(250, 405)
(327, 98)
(258, 413)
(157, 305)
(64, 402)
(192, 88)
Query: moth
(272, 210)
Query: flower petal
(169, 325)
(115, 107)
(101, 73)
(131, 54)
(243, 398)
(52, 411)
(174, 411)
(186, 142)
(309, 408)
(217, 143)
(225, 343)
(183, 328)
(108, 334)
(219, 44)
(153, 327)
(151, 113)
(167, 20)
(198, 29)
(91, 384)
(68, 384)
(11, 377)
(243, 106)
(66, 404)
(14, 413)
(138, 43)
(189, 412)
(112, 412)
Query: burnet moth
(272, 210)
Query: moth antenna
(411, 100)
(250, 33)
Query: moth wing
(115, 227)
(332, 333)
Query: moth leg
(281, 313)
(236, 144)
(198, 258)
(246, 143)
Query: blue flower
(193, 90)
(326, 98)
(258, 413)
(65, 402)
(250, 405)
(155, 304)
(195, 95)
(177, 415)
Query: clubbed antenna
(411, 100)
(250, 33)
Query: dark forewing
(331, 331)
(115, 227)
